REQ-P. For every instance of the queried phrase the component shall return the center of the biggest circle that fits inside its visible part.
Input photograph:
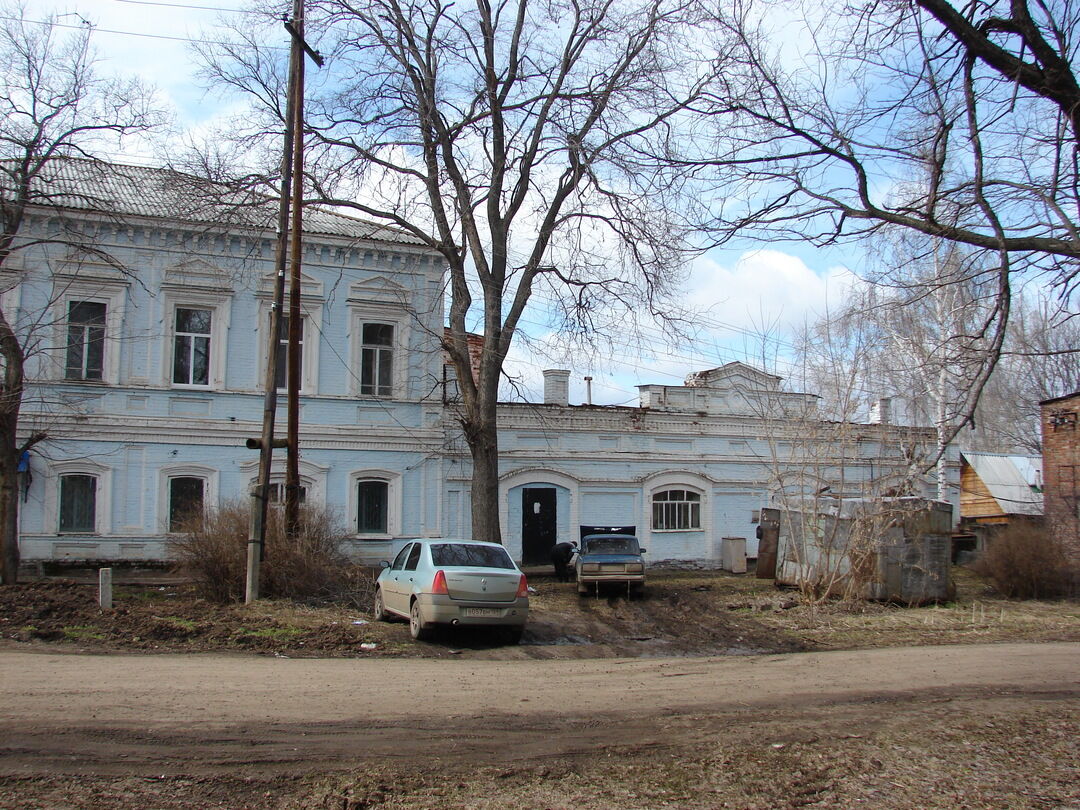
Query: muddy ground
(682, 613)
(625, 712)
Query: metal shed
(885, 549)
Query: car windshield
(468, 555)
(611, 545)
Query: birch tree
(958, 123)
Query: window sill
(671, 531)
(378, 538)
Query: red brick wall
(1061, 470)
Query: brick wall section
(1061, 469)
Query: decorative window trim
(219, 331)
(393, 502)
(313, 476)
(395, 315)
(110, 293)
(309, 371)
(102, 497)
(167, 473)
(669, 481)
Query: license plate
(485, 613)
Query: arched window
(676, 509)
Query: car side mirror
(384, 564)
(642, 550)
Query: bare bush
(212, 551)
(1027, 562)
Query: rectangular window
(372, 501)
(191, 346)
(78, 503)
(377, 360)
(85, 358)
(281, 376)
(185, 500)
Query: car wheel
(418, 628)
(378, 610)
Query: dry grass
(1028, 562)
(212, 552)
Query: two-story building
(144, 305)
(145, 314)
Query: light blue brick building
(148, 368)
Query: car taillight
(523, 587)
(439, 584)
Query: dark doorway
(538, 526)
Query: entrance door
(537, 525)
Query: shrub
(211, 551)
(1026, 562)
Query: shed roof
(116, 189)
(1011, 480)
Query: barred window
(676, 509)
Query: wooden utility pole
(291, 187)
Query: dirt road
(116, 717)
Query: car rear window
(477, 556)
(611, 545)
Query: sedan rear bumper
(603, 579)
(439, 609)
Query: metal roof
(116, 189)
(1010, 480)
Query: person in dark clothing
(561, 555)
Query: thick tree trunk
(9, 512)
(484, 446)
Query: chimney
(881, 412)
(556, 386)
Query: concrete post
(105, 588)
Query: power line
(97, 30)
(186, 5)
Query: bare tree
(535, 146)
(960, 124)
(52, 107)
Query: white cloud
(764, 290)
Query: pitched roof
(1011, 480)
(166, 194)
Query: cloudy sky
(742, 293)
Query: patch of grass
(82, 632)
(177, 621)
(275, 633)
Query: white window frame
(219, 330)
(691, 511)
(113, 296)
(309, 350)
(102, 494)
(393, 502)
(690, 483)
(166, 474)
(312, 476)
(394, 315)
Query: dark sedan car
(610, 560)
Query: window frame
(166, 474)
(87, 337)
(692, 512)
(309, 350)
(219, 330)
(392, 480)
(377, 351)
(67, 476)
(113, 295)
(385, 314)
(102, 495)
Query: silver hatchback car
(453, 582)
